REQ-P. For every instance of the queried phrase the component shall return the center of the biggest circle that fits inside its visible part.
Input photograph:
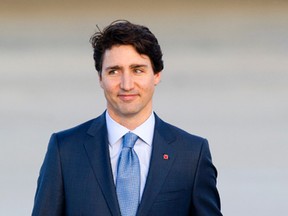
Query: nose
(127, 82)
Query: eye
(112, 72)
(138, 71)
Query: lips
(127, 97)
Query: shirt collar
(145, 131)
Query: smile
(127, 97)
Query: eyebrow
(133, 66)
(138, 66)
(116, 67)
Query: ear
(100, 79)
(157, 78)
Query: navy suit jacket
(76, 176)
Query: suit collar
(98, 153)
(97, 150)
(162, 158)
(144, 131)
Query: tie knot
(129, 140)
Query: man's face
(128, 81)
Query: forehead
(124, 54)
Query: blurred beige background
(225, 78)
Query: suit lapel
(159, 165)
(96, 146)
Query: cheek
(149, 87)
(108, 86)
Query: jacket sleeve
(206, 201)
(49, 198)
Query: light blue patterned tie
(128, 177)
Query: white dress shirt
(143, 146)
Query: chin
(129, 113)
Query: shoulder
(180, 136)
(81, 130)
(174, 130)
(185, 134)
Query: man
(127, 161)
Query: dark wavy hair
(123, 32)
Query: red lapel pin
(165, 156)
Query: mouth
(127, 97)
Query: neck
(130, 121)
